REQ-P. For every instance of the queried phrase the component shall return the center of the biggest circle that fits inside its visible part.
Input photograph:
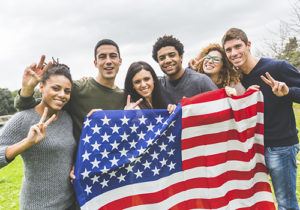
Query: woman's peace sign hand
(37, 132)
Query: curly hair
(57, 69)
(164, 42)
(228, 73)
(157, 99)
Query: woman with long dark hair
(142, 88)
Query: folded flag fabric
(208, 154)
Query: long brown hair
(228, 74)
(157, 100)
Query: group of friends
(47, 131)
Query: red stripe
(221, 137)
(260, 205)
(159, 196)
(211, 96)
(204, 97)
(224, 201)
(216, 159)
(223, 115)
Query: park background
(68, 30)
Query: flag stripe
(221, 127)
(215, 117)
(223, 136)
(196, 183)
(212, 160)
(212, 149)
(234, 199)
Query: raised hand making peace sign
(37, 132)
(32, 76)
(279, 88)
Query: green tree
(6, 102)
(291, 52)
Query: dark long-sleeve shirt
(279, 118)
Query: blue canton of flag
(118, 148)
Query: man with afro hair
(177, 81)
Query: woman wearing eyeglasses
(213, 62)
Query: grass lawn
(11, 178)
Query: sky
(70, 29)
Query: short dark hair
(234, 33)
(57, 69)
(106, 42)
(157, 100)
(164, 42)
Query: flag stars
(85, 174)
(154, 155)
(133, 128)
(123, 152)
(163, 162)
(142, 120)
(157, 132)
(104, 170)
(87, 122)
(131, 159)
(159, 119)
(155, 171)
(141, 135)
(132, 144)
(95, 179)
(104, 154)
(171, 138)
(112, 174)
(138, 173)
(105, 137)
(105, 120)
(96, 146)
(146, 165)
(95, 129)
(171, 152)
(86, 156)
(141, 150)
(150, 127)
(104, 183)
(163, 147)
(171, 166)
(124, 136)
(115, 129)
(88, 189)
(124, 120)
(95, 163)
(114, 161)
(129, 168)
(121, 178)
(86, 139)
(115, 145)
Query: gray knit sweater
(46, 182)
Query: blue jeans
(282, 167)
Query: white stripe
(222, 126)
(234, 165)
(220, 105)
(154, 186)
(217, 148)
(212, 193)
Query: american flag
(208, 154)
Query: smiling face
(212, 64)
(237, 52)
(108, 63)
(56, 92)
(143, 84)
(170, 62)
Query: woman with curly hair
(213, 62)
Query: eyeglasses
(215, 59)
